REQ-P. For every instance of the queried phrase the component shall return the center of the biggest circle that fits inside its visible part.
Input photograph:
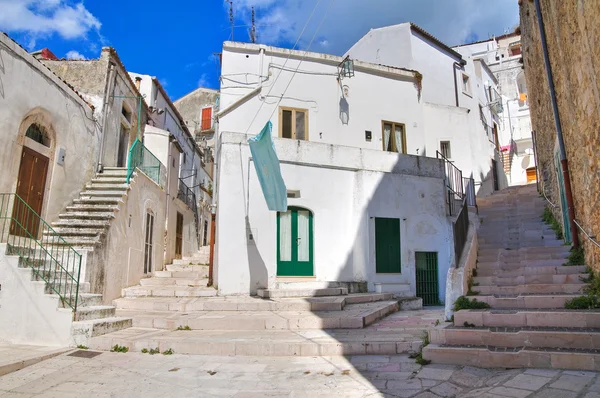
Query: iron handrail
(142, 159)
(591, 238)
(454, 183)
(50, 261)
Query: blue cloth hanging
(268, 170)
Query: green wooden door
(427, 277)
(387, 246)
(295, 242)
(563, 199)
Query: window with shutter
(206, 119)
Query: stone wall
(572, 33)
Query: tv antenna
(231, 21)
(253, 28)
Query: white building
(504, 58)
(457, 98)
(188, 197)
(365, 206)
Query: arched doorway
(31, 180)
(295, 242)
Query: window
(205, 234)
(293, 123)
(445, 149)
(38, 134)
(394, 137)
(466, 84)
(206, 119)
(126, 113)
(149, 243)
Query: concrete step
(203, 273)
(511, 263)
(99, 200)
(530, 279)
(490, 357)
(354, 316)
(168, 291)
(77, 241)
(104, 208)
(81, 223)
(264, 342)
(529, 317)
(103, 185)
(83, 331)
(160, 281)
(527, 271)
(294, 284)
(564, 338)
(521, 244)
(531, 289)
(191, 261)
(100, 179)
(87, 215)
(524, 253)
(278, 293)
(94, 312)
(76, 232)
(529, 301)
(112, 172)
(186, 268)
(104, 194)
(246, 303)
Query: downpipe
(561, 143)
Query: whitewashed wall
(345, 188)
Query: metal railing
(460, 229)
(40, 247)
(144, 160)
(187, 196)
(454, 183)
(469, 187)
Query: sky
(176, 41)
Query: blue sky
(175, 41)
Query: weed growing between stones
(418, 356)
(168, 352)
(468, 325)
(591, 299)
(577, 257)
(144, 350)
(154, 351)
(463, 303)
(549, 219)
(82, 347)
(186, 327)
(119, 348)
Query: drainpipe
(454, 65)
(107, 94)
(561, 143)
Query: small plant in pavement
(463, 303)
(119, 348)
(186, 327)
(168, 352)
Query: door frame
(179, 235)
(311, 239)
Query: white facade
(169, 139)
(339, 172)
(451, 85)
(503, 56)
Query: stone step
(99, 200)
(539, 337)
(85, 215)
(555, 250)
(160, 281)
(354, 316)
(168, 291)
(293, 284)
(76, 232)
(510, 263)
(191, 261)
(525, 271)
(264, 342)
(530, 279)
(278, 293)
(81, 223)
(246, 303)
(94, 312)
(112, 172)
(91, 208)
(513, 358)
(529, 317)
(87, 299)
(500, 239)
(531, 289)
(103, 185)
(521, 244)
(100, 179)
(104, 194)
(186, 268)
(182, 274)
(84, 242)
(529, 301)
(83, 331)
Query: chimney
(138, 81)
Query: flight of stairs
(520, 274)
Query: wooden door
(387, 246)
(31, 186)
(123, 147)
(495, 174)
(179, 236)
(295, 243)
(531, 175)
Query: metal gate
(427, 277)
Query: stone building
(572, 33)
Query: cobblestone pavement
(144, 375)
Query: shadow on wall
(257, 268)
(344, 110)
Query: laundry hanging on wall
(268, 169)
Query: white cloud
(203, 81)
(41, 18)
(75, 55)
(163, 82)
(280, 22)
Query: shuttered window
(206, 119)
(387, 246)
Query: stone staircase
(175, 310)
(520, 274)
